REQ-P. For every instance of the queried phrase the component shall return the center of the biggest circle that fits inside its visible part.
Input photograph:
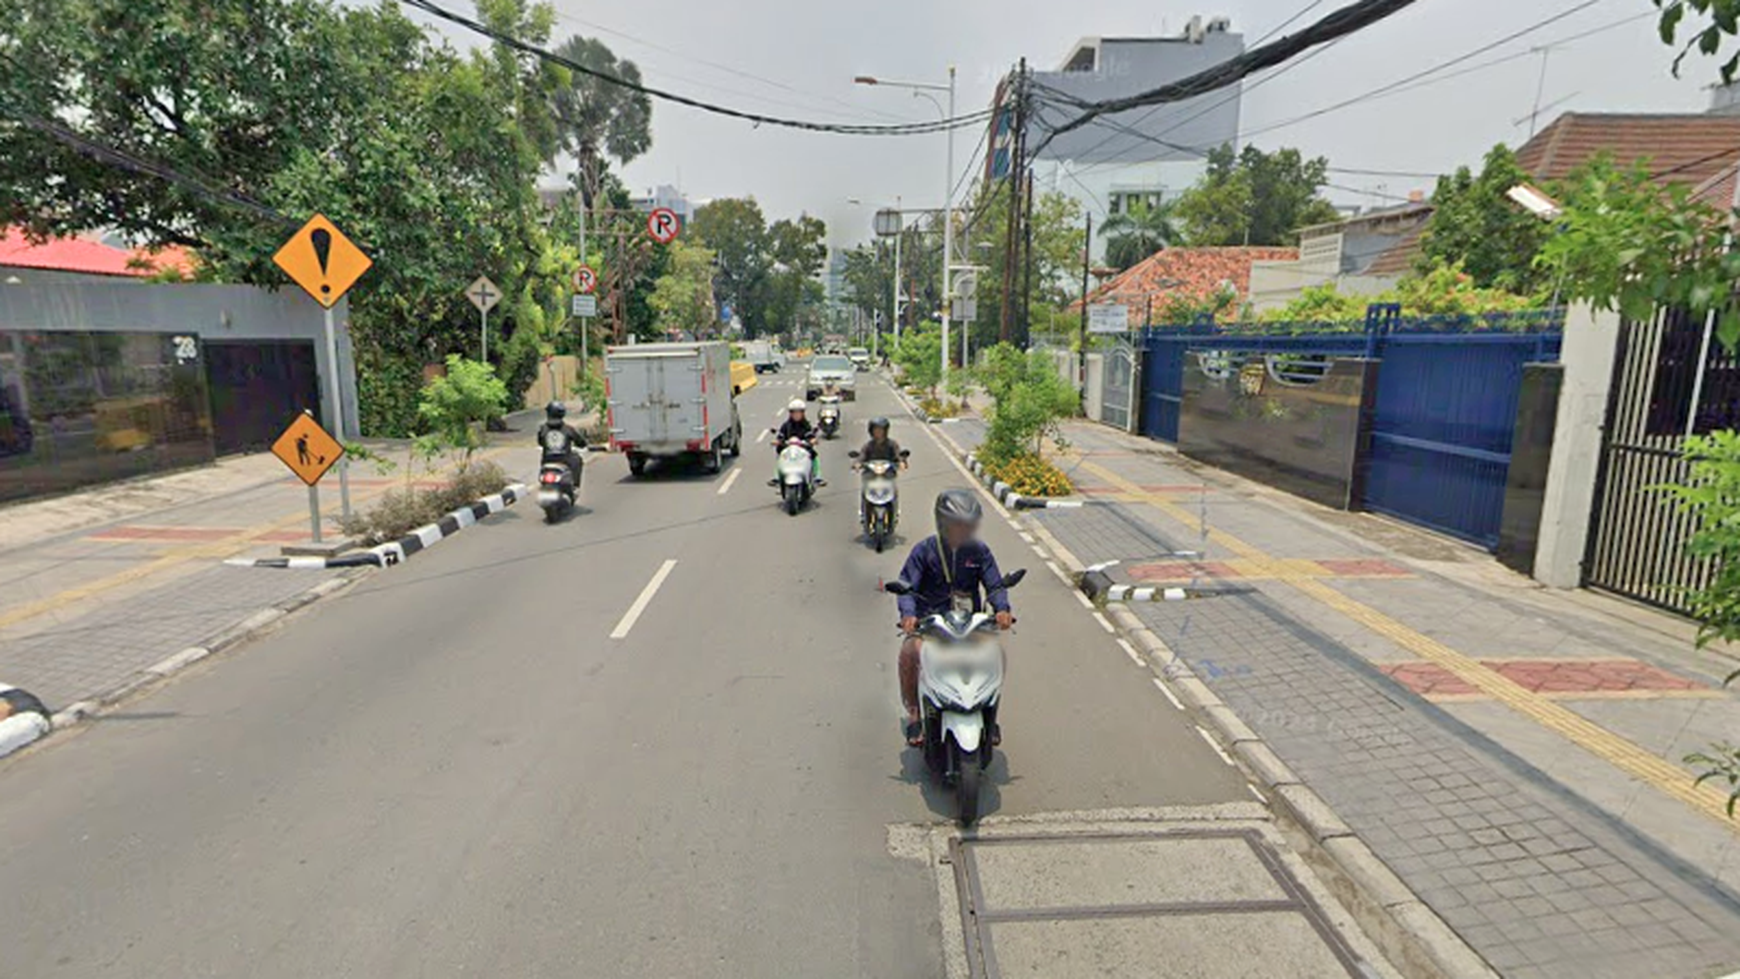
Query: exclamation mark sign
(321, 239)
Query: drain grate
(1201, 902)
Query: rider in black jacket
(798, 426)
(558, 441)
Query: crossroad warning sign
(307, 449)
(321, 260)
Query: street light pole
(897, 236)
(948, 230)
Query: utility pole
(1017, 168)
(948, 298)
(1027, 267)
(1087, 250)
(900, 223)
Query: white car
(835, 369)
(860, 358)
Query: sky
(792, 58)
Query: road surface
(455, 769)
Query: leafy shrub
(937, 408)
(1029, 398)
(454, 408)
(401, 511)
(1028, 474)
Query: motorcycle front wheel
(793, 500)
(967, 788)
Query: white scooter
(796, 474)
(879, 499)
(828, 416)
(960, 681)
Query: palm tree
(595, 118)
(1140, 231)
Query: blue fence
(1444, 412)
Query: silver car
(835, 369)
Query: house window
(1126, 201)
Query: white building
(1146, 154)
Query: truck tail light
(695, 445)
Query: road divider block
(395, 552)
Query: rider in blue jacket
(953, 566)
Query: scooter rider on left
(558, 440)
(797, 426)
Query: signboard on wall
(1108, 318)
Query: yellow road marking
(1667, 777)
(220, 548)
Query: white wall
(1589, 347)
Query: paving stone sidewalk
(1547, 859)
(86, 603)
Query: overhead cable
(846, 129)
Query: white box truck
(667, 400)
(763, 355)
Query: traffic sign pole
(336, 421)
(314, 511)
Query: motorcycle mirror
(905, 452)
(897, 587)
(1013, 578)
(852, 454)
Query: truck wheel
(714, 459)
(737, 440)
(637, 465)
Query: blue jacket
(973, 568)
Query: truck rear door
(655, 396)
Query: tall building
(1147, 154)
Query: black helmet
(555, 410)
(877, 422)
(956, 506)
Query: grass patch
(401, 511)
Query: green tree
(1029, 398)
(1474, 226)
(594, 118)
(1716, 21)
(1140, 231)
(1255, 198)
(735, 230)
(1055, 275)
(683, 296)
(455, 407)
(919, 356)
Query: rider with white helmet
(797, 426)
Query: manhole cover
(1198, 903)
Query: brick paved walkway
(1547, 859)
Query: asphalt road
(454, 769)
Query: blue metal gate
(1445, 406)
(1441, 430)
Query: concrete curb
(233, 635)
(395, 552)
(1408, 932)
(1013, 500)
(23, 719)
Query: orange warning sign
(322, 261)
(307, 449)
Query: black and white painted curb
(1097, 585)
(23, 719)
(1013, 500)
(395, 552)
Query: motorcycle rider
(880, 448)
(798, 426)
(953, 565)
(564, 449)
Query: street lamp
(948, 196)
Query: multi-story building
(1146, 154)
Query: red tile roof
(1187, 272)
(1718, 191)
(1693, 147)
(88, 257)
